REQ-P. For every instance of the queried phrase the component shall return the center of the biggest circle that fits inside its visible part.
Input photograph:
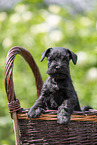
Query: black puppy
(58, 92)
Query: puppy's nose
(57, 67)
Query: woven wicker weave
(44, 130)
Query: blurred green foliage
(35, 26)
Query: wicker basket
(44, 130)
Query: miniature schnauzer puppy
(58, 92)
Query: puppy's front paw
(63, 117)
(34, 113)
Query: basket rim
(90, 115)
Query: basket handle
(13, 102)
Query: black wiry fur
(58, 91)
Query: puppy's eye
(50, 59)
(64, 58)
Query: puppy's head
(58, 61)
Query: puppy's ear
(73, 56)
(45, 54)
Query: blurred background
(37, 25)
